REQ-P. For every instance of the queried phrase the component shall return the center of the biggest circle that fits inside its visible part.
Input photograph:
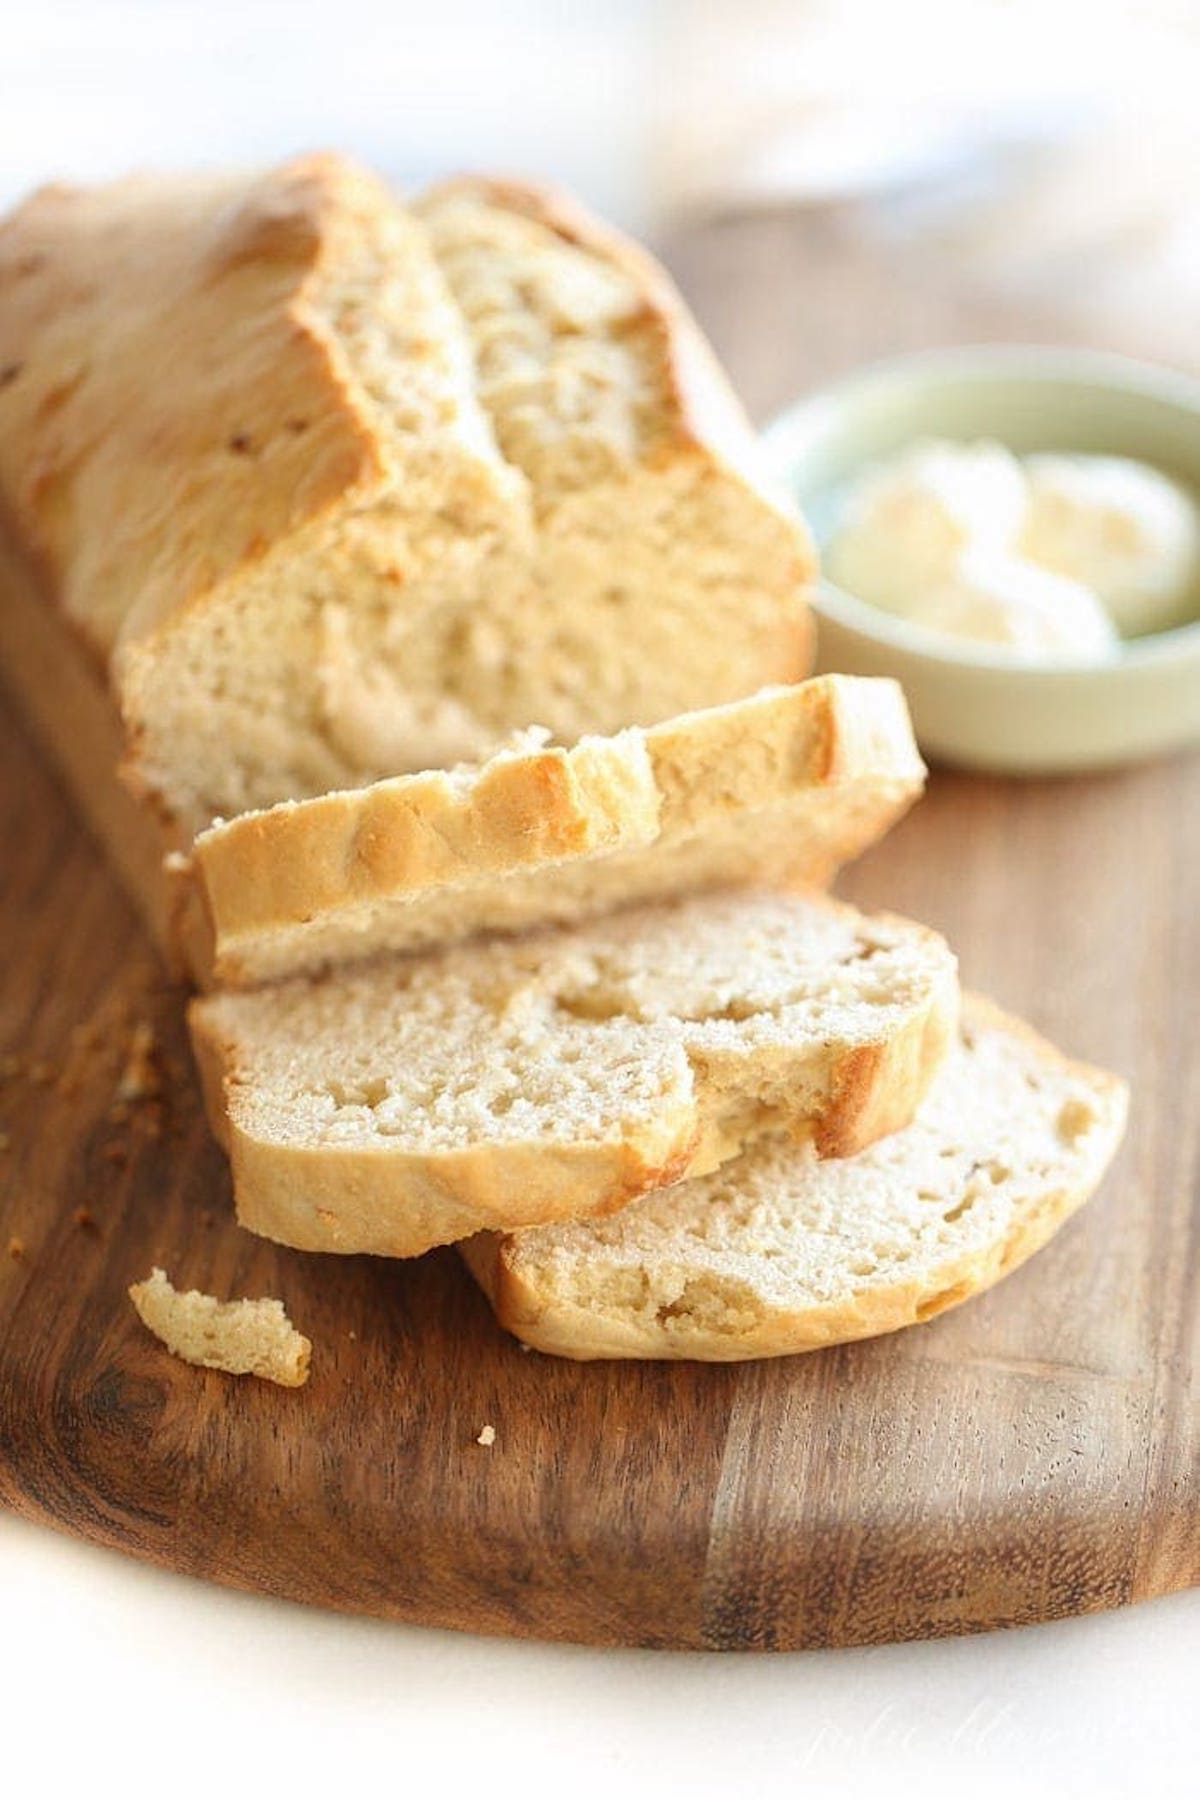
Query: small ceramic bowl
(970, 703)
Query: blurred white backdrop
(94, 87)
(1049, 147)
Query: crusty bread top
(591, 354)
(779, 1252)
(172, 404)
(784, 786)
(411, 1101)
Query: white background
(114, 1675)
(91, 88)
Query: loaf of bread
(329, 488)
(416, 1100)
(780, 1252)
(781, 788)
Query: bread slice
(782, 788)
(330, 490)
(242, 1337)
(779, 1252)
(414, 1101)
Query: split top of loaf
(337, 488)
(781, 788)
(780, 1252)
(414, 1101)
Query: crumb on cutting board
(487, 1437)
(141, 1077)
(16, 1248)
(242, 1337)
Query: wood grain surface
(1032, 1455)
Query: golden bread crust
(786, 785)
(172, 406)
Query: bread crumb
(16, 1248)
(85, 1217)
(487, 1437)
(116, 1154)
(242, 1337)
(141, 1078)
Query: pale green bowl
(970, 704)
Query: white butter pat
(1124, 529)
(907, 525)
(1054, 557)
(999, 599)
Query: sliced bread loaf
(331, 490)
(414, 1101)
(782, 788)
(779, 1251)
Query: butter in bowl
(1014, 534)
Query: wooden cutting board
(1032, 1455)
